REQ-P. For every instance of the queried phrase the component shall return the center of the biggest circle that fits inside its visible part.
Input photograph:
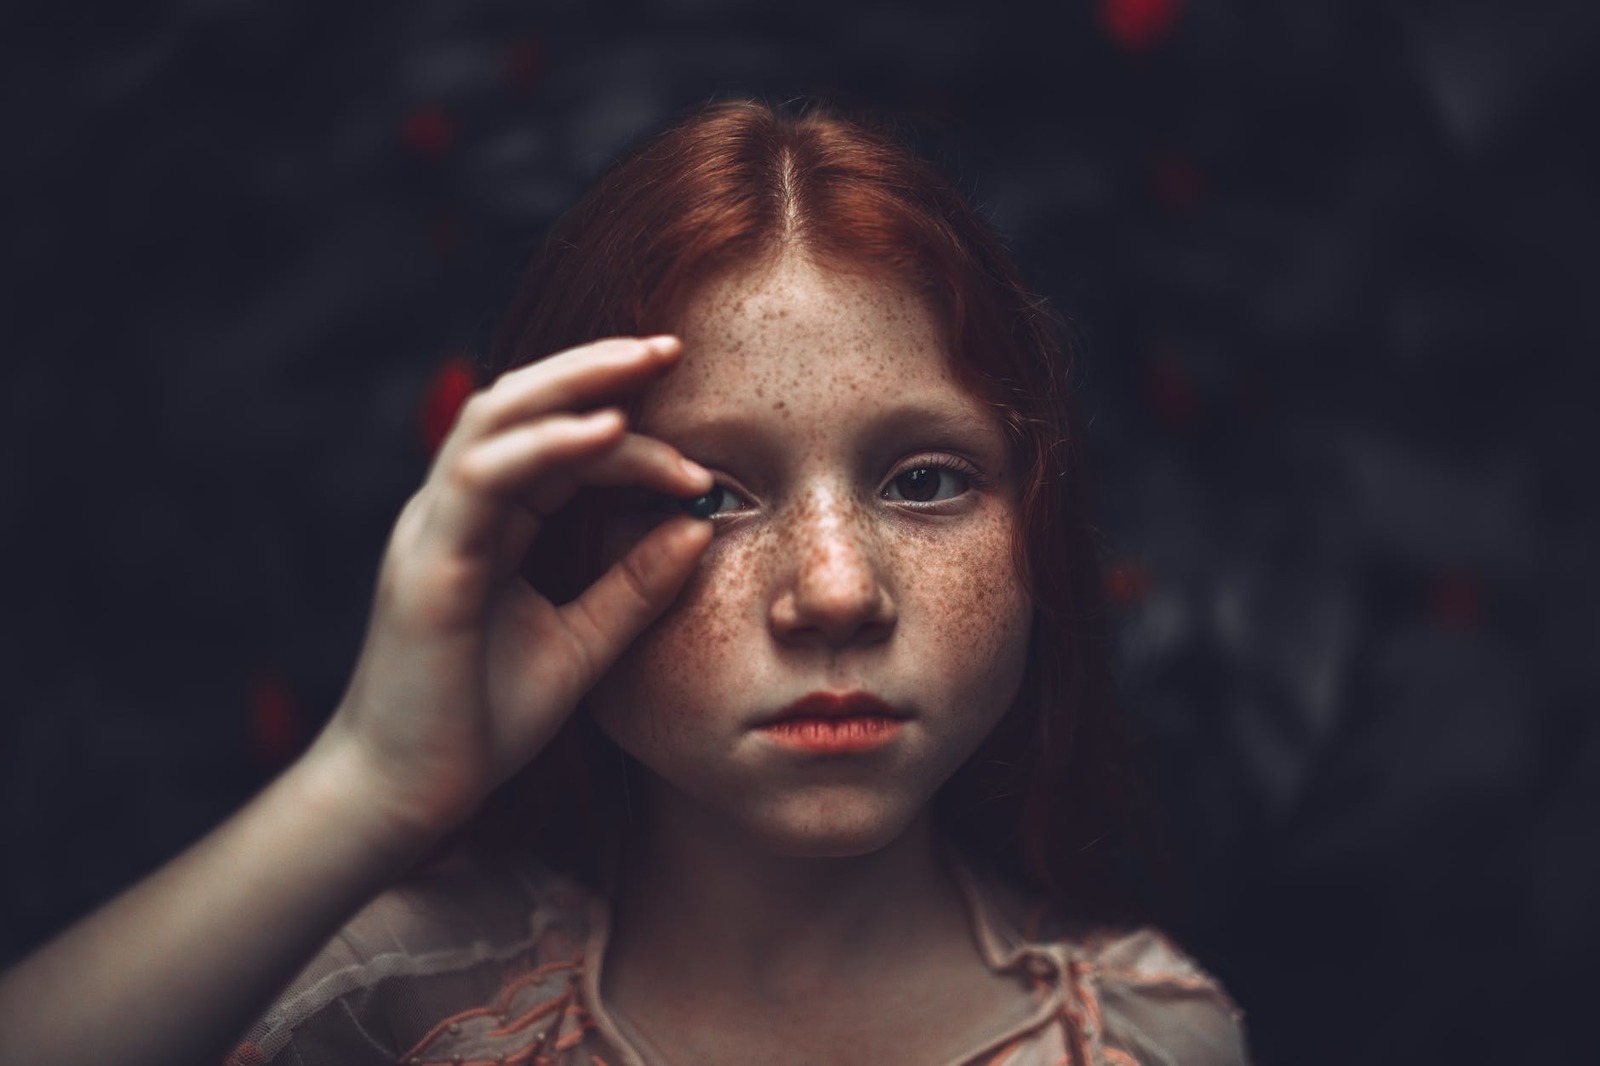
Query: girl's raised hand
(467, 672)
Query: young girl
(774, 614)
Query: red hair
(1047, 793)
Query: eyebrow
(934, 425)
(941, 423)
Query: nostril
(834, 590)
(835, 605)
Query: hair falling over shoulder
(1049, 798)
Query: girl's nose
(834, 593)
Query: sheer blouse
(480, 963)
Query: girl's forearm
(174, 969)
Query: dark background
(1332, 266)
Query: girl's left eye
(927, 483)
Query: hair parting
(1050, 790)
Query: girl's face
(865, 512)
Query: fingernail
(662, 343)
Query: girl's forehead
(790, 330)
(818, 294)
(800, 364)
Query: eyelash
(968, 473)
(949, 464)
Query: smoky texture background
(1331, 266)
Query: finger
(514, 462)
(469, 502)
(573, 379)
(634, 591)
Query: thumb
(634, 591)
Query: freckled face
(866, 508)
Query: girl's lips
(836, 723)
(836, 734)
(832, 705)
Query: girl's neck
(704, 909)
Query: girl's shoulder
(1115, 995)
(1155, 1002)
(450, 939)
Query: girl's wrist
(341, 782)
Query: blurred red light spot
(1170, 394)
(525, 63)
(1138, 25)
(447, 390)
(276, 722)
(429, 131)
(1456, 601)
(445, 236)
(1127, 583)
(1178, 182)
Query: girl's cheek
(999, 601)
(967, 584)
(707, 629)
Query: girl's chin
(836, 820)
(831, 833)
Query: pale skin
(464, 675)
(788, 909)
(758, 884)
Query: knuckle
(408, 533)
(434, 594)
(583, 661)
(636, 576)
(408, 525)
(479, 408)
(469, 471)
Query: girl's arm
(174, 969)
(465, 674)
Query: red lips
(834, 705)
(833, 724)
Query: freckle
(779, 405)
